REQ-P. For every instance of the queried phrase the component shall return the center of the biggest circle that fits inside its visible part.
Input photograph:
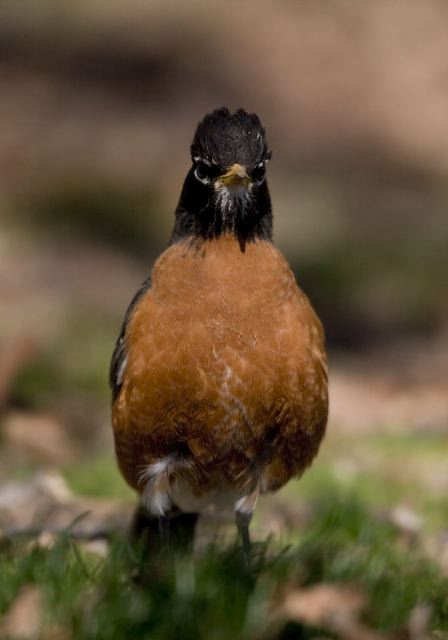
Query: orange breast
(226, 368)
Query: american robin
(219, 374)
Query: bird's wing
(118, 361)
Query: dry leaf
(329, 606)
(24, 617)
(419, 622)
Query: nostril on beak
(235, 175)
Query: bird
(219, 374)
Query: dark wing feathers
(119, 355)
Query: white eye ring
(204, 180)
(261, 164)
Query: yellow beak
(236, 175)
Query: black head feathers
(223, 138)
(225, 190)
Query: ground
(356, 549)
(97, 111)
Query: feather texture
(226, 381)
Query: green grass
(388, 469)
(103, 478)
(380, 486)
(349, 540)
(215, 596)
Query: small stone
(406, 520)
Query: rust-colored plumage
(226, 368)
(220, 376)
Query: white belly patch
(165, 488)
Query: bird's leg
(143, 528)
(243, 519)
(148, 537)
(164, 533)
(244, 509)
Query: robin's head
(230, 151)
(225, 190)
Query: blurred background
(98, 105)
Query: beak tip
(236, 175)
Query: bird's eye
(205, 170)
(259, 172)
(201, 170)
